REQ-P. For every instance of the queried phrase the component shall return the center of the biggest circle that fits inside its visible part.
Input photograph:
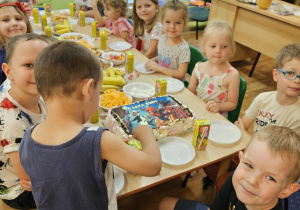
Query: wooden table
(136, 183)
(257, 30)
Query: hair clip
(18, 4)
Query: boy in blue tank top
(63, 158)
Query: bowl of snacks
(73, 36)
(106, 30)
(112, 98)
(116, 57)
(139, 90)
(105, 63)
(86, 43)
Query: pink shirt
(121, 25)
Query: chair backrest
(234, 114)
(196, 56)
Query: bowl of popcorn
(117, 58)
(112, 98)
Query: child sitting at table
(281, 107)
(114, 19)
(13, 16)
(215, 81)
(173, 51)
(268, 172)
(147, 25)
(21, 107)
(65, 160)
(87, 7)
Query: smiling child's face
(261, 177)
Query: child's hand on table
(151, 65)
(212, 106)
(239, 123)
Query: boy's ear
(241, 154)
(7, 71)
(290, 189)
(275, 75)
(86, 87)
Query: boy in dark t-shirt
(268, 172)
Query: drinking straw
(203, 135)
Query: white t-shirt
(265, 110)
(14, 120)
(155, 33)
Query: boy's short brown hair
(13, 42)
(285, 141)
(286, 54)
(61, 67)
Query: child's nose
(252, 179)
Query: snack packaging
(135, 143)
(160, 87)
(95, 117)
(103, 40)
(44, 22)
(36, 15)
(72, 7)
(47, 8)
(48, 31)
(81, 18)
(201, 132)
(129, 61)
(95, 29)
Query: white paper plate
(106, 55)
(65, 11)
(140, 67)
(119, 46)
(223, 132)
(37, 31)
(297, 13)
(119, 180)
(108, 31)
(176, 151)
(173, 85)
(89, 20)
(139, 90)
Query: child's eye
(271, 178)
(224, 47)
(290, 73)
(5, 20)
(249, 165)
(29, 65)
(19, 18)
(178, 22)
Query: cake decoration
(165, 114)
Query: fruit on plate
(113, 79)
(63, 28)
(115, 57)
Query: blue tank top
(67, 176)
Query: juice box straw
(203, 135)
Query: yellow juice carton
(95, 29)
(72, 7)
(81, 18)
(201, 133)
(48, 31)
(160, 87)
(36, 14)
(103, 40)
(47, 8)
(44, 22)
(129, 61)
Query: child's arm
(179, 73)
(193, 83)
(232, 95)
(244, 123)
(146, 162)
(152, 48)
(124, 35)
(97, 15)
(15, 160)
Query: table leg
(254, 64)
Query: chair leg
(254, 64)
(186, 179)
(197, 30)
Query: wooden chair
(199, 14)
(232, 117)
(196, 56)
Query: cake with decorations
(165, 114)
